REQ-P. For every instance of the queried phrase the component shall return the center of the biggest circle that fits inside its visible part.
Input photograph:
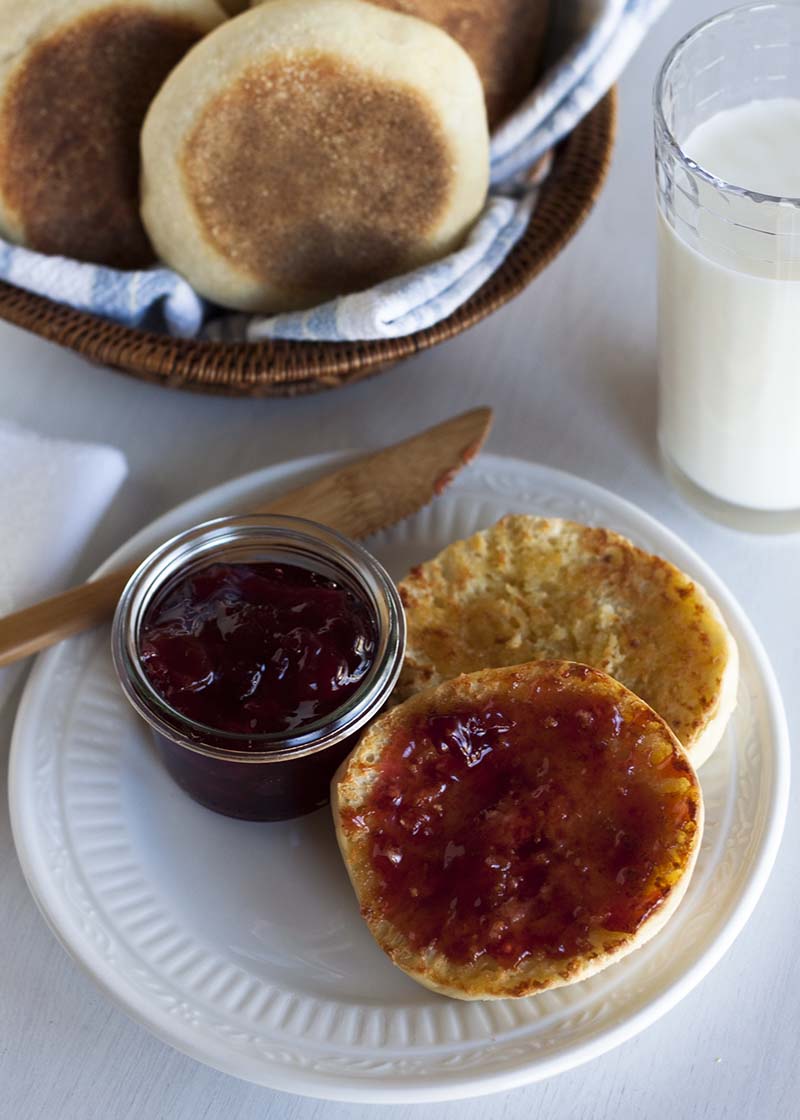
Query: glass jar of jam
(256, 648)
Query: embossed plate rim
(512, 477)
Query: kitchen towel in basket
(599, 37)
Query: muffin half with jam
(517, 829)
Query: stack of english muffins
(529, 812)
(276, 157)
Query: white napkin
(52, 495)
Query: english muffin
(309, 148)
(533, 587)
(517, 829)
(504, 39)
(75, 82)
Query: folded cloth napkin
(52, 495)
(595, 39)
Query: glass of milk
(727, 134)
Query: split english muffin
(517, 829)
(76, 80)
(309, 148)
(532, 587)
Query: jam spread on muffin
(533, 827)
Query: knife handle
(357, 499)
(80, 608)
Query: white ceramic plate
(241, 944)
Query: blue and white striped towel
(599, 37)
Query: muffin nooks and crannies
(532, 587)
(310, 148)
(517, 829)
(76, 80)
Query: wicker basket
(284, 369)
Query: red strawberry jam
(257, 648)
(525, 827)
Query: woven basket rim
(286, 368)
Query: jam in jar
(256, 648)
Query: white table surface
(570, 369)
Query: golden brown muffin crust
(69, 133)
(314, 176)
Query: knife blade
(365, 495)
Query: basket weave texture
(285, 368)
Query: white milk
(729, 327)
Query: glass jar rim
(203, 542)
(668, 136)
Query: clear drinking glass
(729, 280)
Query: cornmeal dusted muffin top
(532, 587)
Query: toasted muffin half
(533, 587)
(517, 829)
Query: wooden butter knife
(365, 495)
